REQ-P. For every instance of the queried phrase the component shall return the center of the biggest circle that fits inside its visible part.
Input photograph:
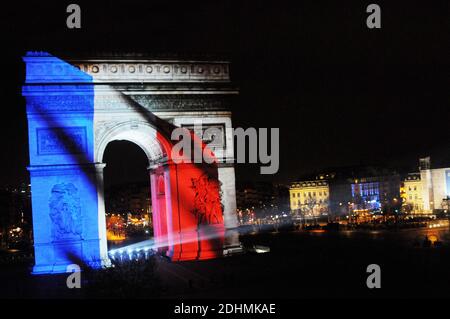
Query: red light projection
(187, 209)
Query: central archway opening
(128, 205)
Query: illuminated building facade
(348, 189)
(411, 194)
(369, 190)
(379, 192)
(311, 197)
(366, 194)
(427, 190)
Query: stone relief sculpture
(207, 202)
(70, 140)
(65, 212)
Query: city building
(15, 214)
(261, 199)
(427, 190)
(348, 190)
(367, 190)
(128, 198)
(254, 195)
(310, 197)
(411, 194)
(379, 192)
(366, 193)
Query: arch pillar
(68, 216)
(182, 232)
(159, 208)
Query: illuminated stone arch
(75, 108)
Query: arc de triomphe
(76, 107)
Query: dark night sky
(340, 93)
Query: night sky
(340, 93)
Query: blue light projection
(60, 111)
(366, 195)
(447, 180)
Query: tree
(392, 207)
(308, 207)
(407, 208)
(446, 203)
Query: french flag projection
(67, 174)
